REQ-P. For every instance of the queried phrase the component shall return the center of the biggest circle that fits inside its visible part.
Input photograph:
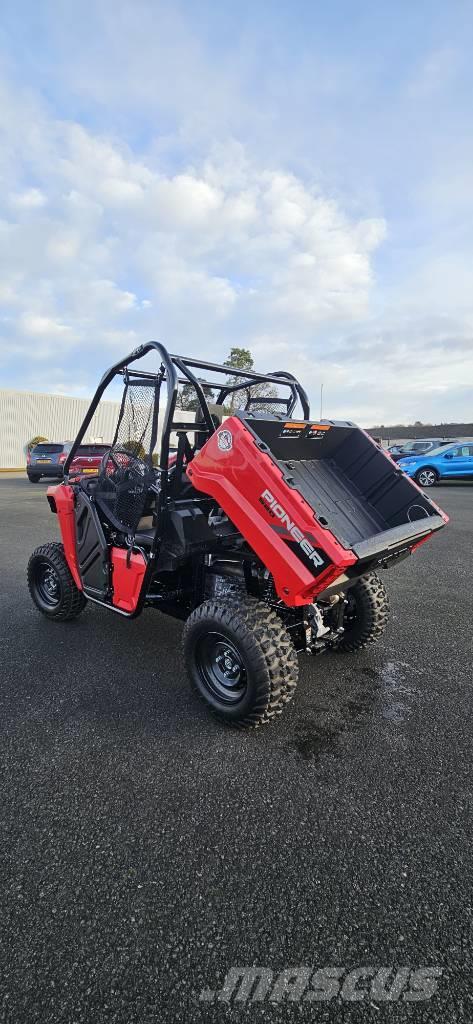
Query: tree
(135, 448)
(34, 441)
(187, 399)
(241, 359)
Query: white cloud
(206, 242)
(43, 326)
(225, 245)
(185, 201)
(120, 192)
(63, 246)
(103, 297)
(30, 199)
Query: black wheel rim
(221, 668)
(48, 584)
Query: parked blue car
(419, 447)
(451, 462)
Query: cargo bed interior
(356, 491)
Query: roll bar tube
(276, 377)
(183, 363)
(199, 390)
(303, 397)
(108, 376)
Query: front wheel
(51, 585)
(366, 614)
(426, 477)
(240, 660)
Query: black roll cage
(170, 364)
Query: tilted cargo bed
(328, 480)
(355, 489)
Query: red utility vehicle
(265, 532)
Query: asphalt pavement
(146, 849)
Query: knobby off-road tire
(51, 585)
(367, 614)
(240, 660)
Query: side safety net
(127, 472)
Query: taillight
(28, 458)
(63, 457)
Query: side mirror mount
(448, 455)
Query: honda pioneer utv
(264, 532)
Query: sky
(293, 177)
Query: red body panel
(127, 578)
(128, 572)
(63, 496)
(237, 479)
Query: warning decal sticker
(292, 429)
(313, 430)
(318, 430)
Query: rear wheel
(366, 614)
(34, 478)
(240, 660)
(51, 584)
(426, 477)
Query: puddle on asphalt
(387, 691)
(313, 740)
(396, 689)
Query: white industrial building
(27, 414)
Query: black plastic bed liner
(355, 489)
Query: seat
(185, 489)
(144, 535)
(217, 413)
(144, 538)
(145, 523)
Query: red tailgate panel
(274, 519)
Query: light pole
(321, 399)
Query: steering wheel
(120, 467)
(110, 457)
